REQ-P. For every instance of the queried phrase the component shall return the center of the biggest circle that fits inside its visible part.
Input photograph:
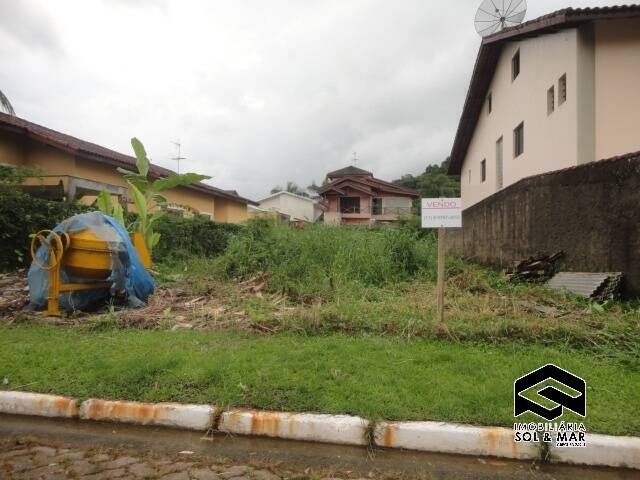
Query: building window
(515, 66)
(551, 100)
(376, 206)
(483, 170)
(562, 89)
(518, 140)
(350, 204)
(489, 104)
(499, 166)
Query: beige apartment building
(552, 93)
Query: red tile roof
(368, 185)
(349, 171)
(97, 153)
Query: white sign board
(441, 212)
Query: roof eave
(113, 161)
(308, 199)
(488, 55)
(487, 58)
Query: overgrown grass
(376, 377)
(481, 306)
(319, 262)
(350, 316)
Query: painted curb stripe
(342, 429)
(453, 438)
(601, 450)
(38, 404)
(190, 417)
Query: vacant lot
(335, 320)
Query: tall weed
(318, 260)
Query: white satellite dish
(495, 15)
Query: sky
(257, 92)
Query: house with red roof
(354, 196)
(74, 169)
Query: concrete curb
(601, 450)
(38, 404)
(453, 438)
(342, 429)
(188, 417)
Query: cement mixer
(84, 260)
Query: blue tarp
(129, 279)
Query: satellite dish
(495, 15)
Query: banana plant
(105, 205)
(147, 194)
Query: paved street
(47, 449)
(34, 461)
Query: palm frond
(5, 104)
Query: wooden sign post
(440, 284)
(441, 213)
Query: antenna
(177, 158)
(495, 15)
(354, 159)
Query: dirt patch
(175, 309)
(169, 308)
(14, 293)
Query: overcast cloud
(258, 91)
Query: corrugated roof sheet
(585, 284)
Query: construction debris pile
(178, 309)
(611, 287)
(538, 268)
(14, 293)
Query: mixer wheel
(54, 243)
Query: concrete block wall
(590, 211)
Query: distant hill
(434, 182)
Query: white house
(552, 93)
(296, 206)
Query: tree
(5, 105)
(433, 182)
(291, 187)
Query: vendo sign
(441, 212)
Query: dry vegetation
(336, 321)
(321, 281)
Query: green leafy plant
(21, 215)
(186, 237)
(146, 195)
(16, 175)
(105, 205)
(600, 308)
